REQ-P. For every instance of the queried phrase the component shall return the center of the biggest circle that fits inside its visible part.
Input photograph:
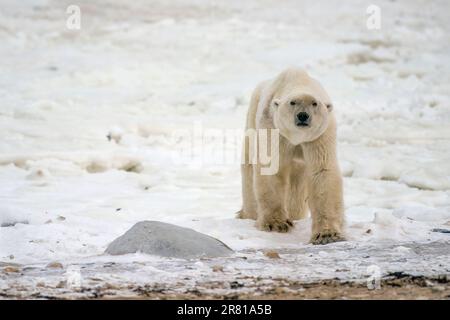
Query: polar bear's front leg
(270, 194)
(326, 205)
(325, 190)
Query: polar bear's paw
(326, 236)
(277, 225)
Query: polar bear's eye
(292, 103)
(314, 104)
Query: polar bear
(308, 176)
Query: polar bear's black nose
(302, 117)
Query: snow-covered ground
(91, 125)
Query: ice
(87, 119)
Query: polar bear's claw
(326, 237)
(282, 226)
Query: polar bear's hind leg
(249, 209)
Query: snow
(92, 124)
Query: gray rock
(167, 240)
(12, 223)
(440, 230)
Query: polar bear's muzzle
(302, 119)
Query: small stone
(109, 286)
(61, 284)
(48, 221)
(55, 265)
(11, 257)
(10, 269)
(279, 290)
(438, 289)
(236, 285)
(369, 231)
(217, 268)
(440, 230)
(272, 254)
(61, 218)
(12, 223)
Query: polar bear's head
(301, 117)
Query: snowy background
(87, 116)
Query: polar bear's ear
(329, 106)
(276, 103)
